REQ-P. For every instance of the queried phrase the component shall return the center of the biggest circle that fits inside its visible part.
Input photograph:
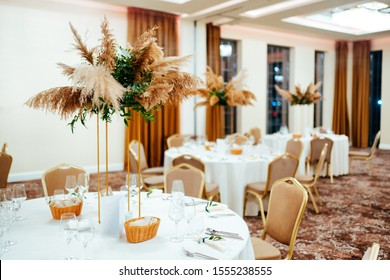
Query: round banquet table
(231, 172)
(339, 155)
(38, 236)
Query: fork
(195, 254)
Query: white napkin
(216, 244)
(211, 208)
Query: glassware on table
(177, 188)
(83, 183)
(8, 213)
(176, 214)
(70, 184)
(18, 195)
(189, 214)
(85, 233)
(68, 230)
(136, 184)
(59, 194)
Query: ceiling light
(282, 6)
(177, 1)
(211, 9)
(373, 6)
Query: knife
(222, 232)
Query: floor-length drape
(215, 116)
(360, 94)
(340, 108)
(167, 120)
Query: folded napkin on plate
(215, 242)
(211, 207)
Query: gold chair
(55, 177)
(211, 190)
(372, 252)
(310, 181)
(4, 148)
(5, 166)
(356, 155)
(316, 146)
(237, 138)
(283, 166)
(192, 177)
(287, 203)
(256, 133)
(175, 140)
(294, 147)
(145, 170)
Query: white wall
(253, 58)
(34, 36)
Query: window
(319, 77)
(228, 50)
(278, 61)
(375, 94)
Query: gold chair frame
(328, 158)
(174, 139)
(291, 142)
(5, 164)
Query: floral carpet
(356, 212)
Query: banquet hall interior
(256, 76)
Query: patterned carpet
(356, 212)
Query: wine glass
(83, 183)
(18, 195)
(85, 233)
(189, 213)
(59, 194)
(70, 184)
(136, 184)
(176, 214)
(68, 230)
(177, 188)
(7, 215)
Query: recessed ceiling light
(211, 9)
(282, 6)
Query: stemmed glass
(70, 184)
(177, 188)
(189, 213)
(68, 230)
(176, 214)
(85, 233)
(134, 184)
(83, 183)
(18, 195)
(7, 216)
(3, 227)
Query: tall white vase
(301, 118)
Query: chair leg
(330, 172)
(307, 168)
(370, 167)
(318, 195)
(312, 199)
(261, 210)
(245, 200)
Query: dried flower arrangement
(112, 79)
(217, 93)
(311, 95)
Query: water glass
(189, 214)
(68, 230)
(58, 194)
(136, 184)
(83, 183)
(18, 195)
(85, 233)
(70, 184)
(176, 214)
(177, 188)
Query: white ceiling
(231, 10)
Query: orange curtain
(215, 116)
(167, 119)
(340, 109)
(360, 94)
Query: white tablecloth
(38, 236)
(339, 155)
(231, 172)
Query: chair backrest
(189, 159)
(375, 144)
(5, 166)
(286, 207)
(283, 166)
(372, 252)
(175, 140)
(316, 146)
(133, 156)
(294, 147)
(238, 138)
(193, 179)
(55, 177)
(321, 161)
(256, 133)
